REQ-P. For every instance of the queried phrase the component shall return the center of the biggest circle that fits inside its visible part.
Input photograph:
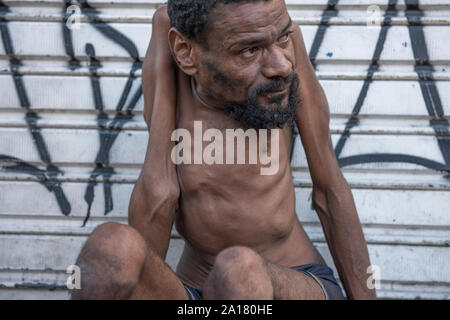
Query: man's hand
(332, 198)
(155, 197)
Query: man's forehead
(237, 20)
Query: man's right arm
(154, 200)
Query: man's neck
(215, 114)
(202, 99)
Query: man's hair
(191, 17)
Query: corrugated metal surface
(72, 135)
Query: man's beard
(254, 115)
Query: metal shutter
(72, 135)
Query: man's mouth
(276, 94)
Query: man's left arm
(332, 197)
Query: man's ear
(182, 51)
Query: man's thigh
(158, 281)
(242, 272)
(289, 284)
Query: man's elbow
(152, 199)
(334, 194)
(319, 201)
(161, 16)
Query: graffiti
(427, 85)
(374, 67)
(330, 12)
(109, 130)
(31, 118)
(429, 91)
(424, 71)
(110, 126)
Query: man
(229, 65)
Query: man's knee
(116, 240)
(111, 262)
(241, 272)
(238, 258)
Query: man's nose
(276, 63)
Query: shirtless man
(232, 64)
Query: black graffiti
(45, 177)
(330, 12)
(427, 84)
(109, 128)
(31, 119)
(429, 92)
(428, 87)
(374, 67)
(391, 157)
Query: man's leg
(241, 273)
(116, 263)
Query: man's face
(248, 65)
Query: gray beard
(253, 115)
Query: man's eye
(250, 52)
(284, 38)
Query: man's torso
(224, 205)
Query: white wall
(57, 163)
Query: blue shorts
(319, 272)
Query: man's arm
(154, 200)
(332, 198)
